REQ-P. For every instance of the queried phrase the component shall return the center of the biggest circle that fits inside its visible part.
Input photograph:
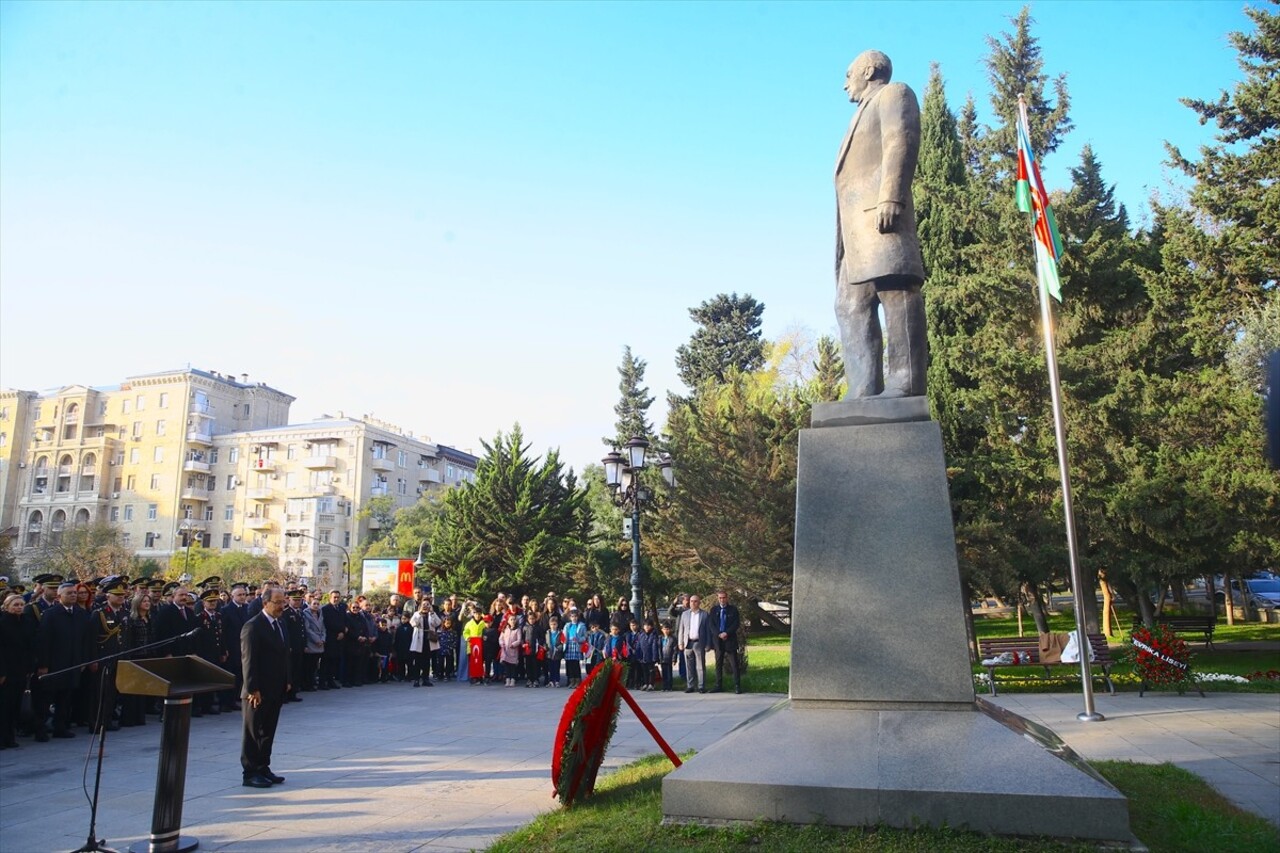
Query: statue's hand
(888, 215)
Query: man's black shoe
(737, 690)
(717, 689)
(703, 690)
(295, 698)
(257, 782)
(690, 690)
(275, 780)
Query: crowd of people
(333, 642)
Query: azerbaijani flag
(1034, 200)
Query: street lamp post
(622, 476)
(346, 557)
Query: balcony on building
(381, 463)
(320, 490)
(199, 408)
(189, 524)
(195, 494)
(197, 436)
(379, 491)
(258, 522)
(263, 465)
(320, 462)
(429, 475)
(64, 470)
(260, 494)
(194, 466)
(89, 471)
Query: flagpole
(1089, 714)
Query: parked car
(1260, 592)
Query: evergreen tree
(522, 525)
(828, 383)
(633, 405)
(727, 338)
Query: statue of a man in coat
(878, 261)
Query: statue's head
(868, 72)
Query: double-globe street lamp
(622, 476)
(346, 557)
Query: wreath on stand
(586, 727)
(1161, 658)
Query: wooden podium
(175, 680)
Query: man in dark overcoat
(264, 660)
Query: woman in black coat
(16, 657)
(137, 633)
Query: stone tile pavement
(1231, 740)
(393, 768)
(382, 767)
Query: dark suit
(171, 621)
(264, 659)
(233, 618)
(695, 644)
(335, 629)
(724, 620)
(65, 641)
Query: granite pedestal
(882, 726)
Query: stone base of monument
(905, 768)
(882, 726)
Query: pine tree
(728, 338)
(828, 383)
(633, 404)
(522, 525)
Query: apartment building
(190, 456)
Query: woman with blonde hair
(137, 633)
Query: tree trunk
(1180, 596)
(1145, 609)
(1227, 598)
(1037, 607)
(1090, 599)
(1106, 604)
(970, 633)
(1211, 590)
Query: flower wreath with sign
(1159, 656)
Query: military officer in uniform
(108, 627)
(44, 597)
(210, 646)
(296, 628)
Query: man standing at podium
(264, 658)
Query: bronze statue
(878, 260)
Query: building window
(402, 459)
(151, 540)
(126, 406)
(116, 484)
(135, 456)
(231, 482)
(131, 482)
(153, 512)
(137, 429)
(4, 413)
(4, 438)
(125, 539)
(155, 482)
(142, 402)
(160, 427)
(118, 458)
(228, 512)
(291, 452)
(115, 514)
(213, 456)
(128, 512)
(226, 541)
(346, 538)
(449, 476)
(402, 486)
(233, 455)
(159, 454)
(246, 410)
(164, 399)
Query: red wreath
(1159, 655)
(586, 725)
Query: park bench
(1028, 652)
(1187, 625)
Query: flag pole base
(1090, 717)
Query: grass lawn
(1170, 810)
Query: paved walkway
(1231, 740)
(392, 768)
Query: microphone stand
(95, 844)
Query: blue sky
(454, 216)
